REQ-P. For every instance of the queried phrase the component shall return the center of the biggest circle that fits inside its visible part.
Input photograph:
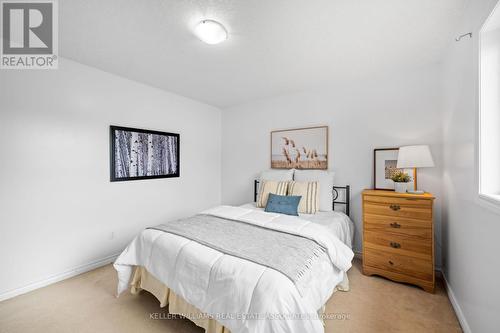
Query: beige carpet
(86, 304)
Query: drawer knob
(395, 245)
(391, 263)
(395, 225)
(395, 207)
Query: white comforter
(236, 291)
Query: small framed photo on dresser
(385, 162)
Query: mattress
(338, 222)
(241, 295)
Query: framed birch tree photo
(143, 154)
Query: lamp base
(415, 192)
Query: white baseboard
(58, 277)
(456, 306)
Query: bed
(222, 291)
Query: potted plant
(401, 181)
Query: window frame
(488, 200)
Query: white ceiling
(274, 46)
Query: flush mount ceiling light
(211, 32)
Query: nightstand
(398, 237)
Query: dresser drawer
(398, 225)
(398, 207)
(408, 202)
(415, 267)
(399, 244)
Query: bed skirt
(143, 280)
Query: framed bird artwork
(300, 148)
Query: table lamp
(415, 157)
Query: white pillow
(325, 180)
(277, 175)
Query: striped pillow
(309, 204)
(270, 186)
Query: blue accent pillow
(283, 204)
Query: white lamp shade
(415, 157)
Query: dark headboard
(335, 191)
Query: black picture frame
(377, 186)
(375, 151)
(112, 154)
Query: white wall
(390, 110)
(470, 226)
(58, 209)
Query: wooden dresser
(398, 237)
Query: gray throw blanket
(287, 253)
